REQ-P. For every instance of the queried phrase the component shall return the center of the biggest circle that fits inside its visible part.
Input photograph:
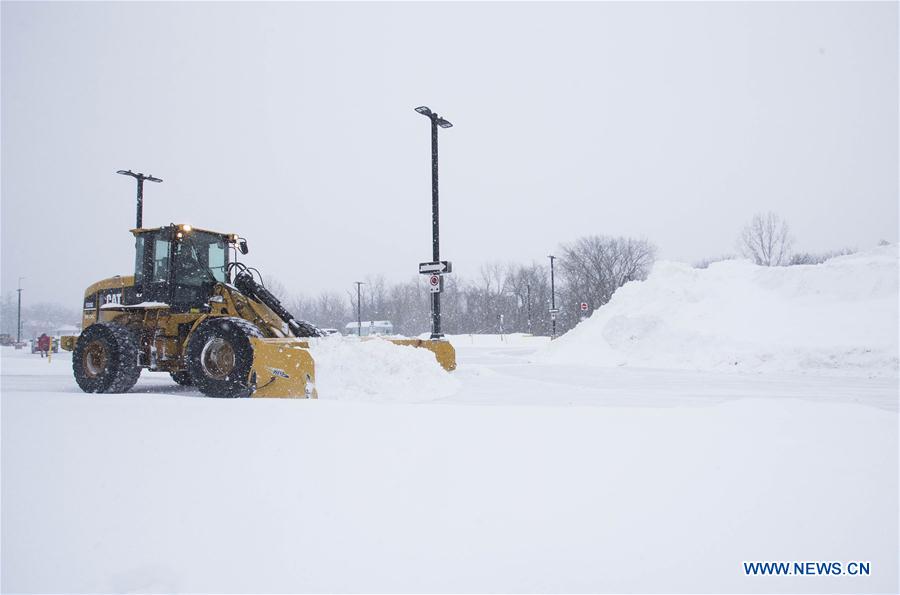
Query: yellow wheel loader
(192, 310)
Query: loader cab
(179, 265)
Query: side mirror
(242, 246)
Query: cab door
(153, 270)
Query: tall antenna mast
(140, 191)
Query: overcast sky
(293, 125)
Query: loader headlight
(186, 227)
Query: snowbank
(378, 370)
(838, 317)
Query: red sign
(434, 280)
(584, 306)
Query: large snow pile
(838, 317)
(378, 370)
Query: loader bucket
(443, 350)
(283, 368)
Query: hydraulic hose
(245, 282)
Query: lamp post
(19, 313)
(552, 297)
(358, 309)
(436, 121)
(528, 305)
(140, 192)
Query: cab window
(161, 260)
(216, 259)
(200, 262)
(138, 260)
(200, 258)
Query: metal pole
(358, 309)
(435, 225)
(19, 314)
(552, 297)
(435, 229)
(140, 202)
(528, 304)
(139, 218)
(436, 121)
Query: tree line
(516, 298)
(37, 318)
(499, 298)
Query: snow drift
(837, 317)
(377, 370)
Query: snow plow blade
(443, 350)
(283, 368)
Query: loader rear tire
(220, 355)
(105, 359)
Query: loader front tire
(220, 355)
(181, 377)
(105, 359)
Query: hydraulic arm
(245, 282)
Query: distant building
(64, 330)
(370, 327)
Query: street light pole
(436, 121)
(552, 297)
(140, 192)
(528, 304)
(19, 314)
(358, 309)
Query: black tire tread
(182, 378)
(250, 329)
(212, 388)
(124, 369)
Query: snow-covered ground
(513, 475)
(702, 419)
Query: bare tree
(484, 298)
(766, 240)
(594, 267)
(42, 317)
(529, 288)
(275, 287)
(704, 263)
(519, 293)
(818, 258)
